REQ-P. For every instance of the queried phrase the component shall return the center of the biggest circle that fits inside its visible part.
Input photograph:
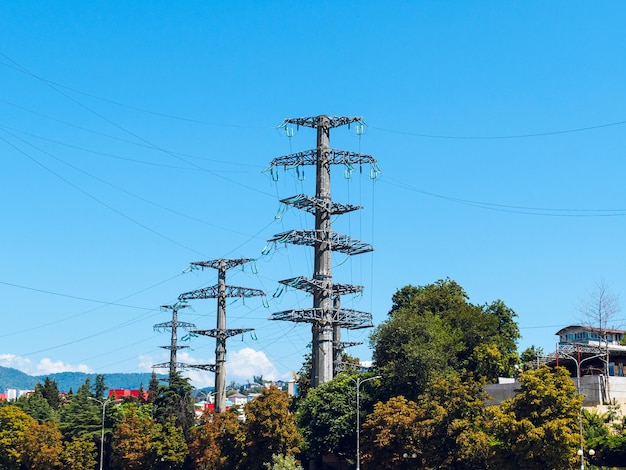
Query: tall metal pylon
(325, 317)
(220, 292)
(173, 326)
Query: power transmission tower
(220, 292)
(326, 316)
(173, 326)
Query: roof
(570, 328)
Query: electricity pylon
(220, 292)
(173, 326)
(326, 317)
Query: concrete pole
(322, 299)
(337, 350)
(173, 346)
(220, 341)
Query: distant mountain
(13, 378)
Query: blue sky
(134, 138)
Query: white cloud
(44, 367)
(241, 366)
(145, 363)
(15, 362)
(247, 362)
(48, 366)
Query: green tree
(283, 462)
(451, 424)
(530, 357)
(218, 442)
(14, 424)
(270, 428)
(139, 442)
(37, 406)
(388, 433)
(434, 329)
(410, 348)
(168, 445)
(50, 391)
(99, 386)
(444, 429)
(79, 454)
(327, 417)
(303, 378)
(81, 416)
(41, 446)
(153, 388)
(537, 428)
(174, 400)
(132, 438)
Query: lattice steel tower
(220, 292)
(326, 316)
(173, 326)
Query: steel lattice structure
(326, 315)
(213, 293)
(336, 241)
(312, 204)
(220, 292)
(173, 327)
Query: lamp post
(578, 361)
(358, 383)
(581, 454)
(104, 406)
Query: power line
(99, 201)
(20, 69)
(133, 160)
(503, 137)
(526, 210)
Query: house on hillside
(590, 348)
(586, 350)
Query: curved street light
(104, 406)
(578, 361)
(358, 383)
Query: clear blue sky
(134, 138)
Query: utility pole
(220, 292)
(173, 326)
(324, 316)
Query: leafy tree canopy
(538, 427)
(434, 328)
(218, 442)
(270, 428)
(327, 418)
(14, 425)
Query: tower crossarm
(347, 344)
(347, 318)
(221, 263)
(338, 242)
(332, 156)
(166, 365)
(329, 121)
(222, 334)
(168, 325)
(174, 347)
(312, 204)
(213, 292)
(209, 367)
(311, 285)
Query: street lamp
(104, 406)
(578, 361)
(581, 454)
(358, 383)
